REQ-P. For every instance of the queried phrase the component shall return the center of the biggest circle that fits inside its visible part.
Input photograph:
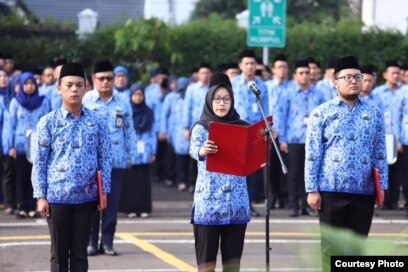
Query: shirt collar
(97, 97)
(65, 113)
(338, 101)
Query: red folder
(241, 149)
(99, 187)
(376, 177)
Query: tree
(139, 42)
(226, 9)
(317, 10)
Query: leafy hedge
(141, 44)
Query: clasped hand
(209, 147)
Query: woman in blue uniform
(136, 197)
(221, 205)
(24, 112)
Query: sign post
(267, 24)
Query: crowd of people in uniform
(169, 106)
(150, 128)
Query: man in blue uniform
(390, 95)
(114, 108)
(247, 107)
(72, 144)
(345, 139)
(277, 87)
(293, 111)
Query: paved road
(164, 241)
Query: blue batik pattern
(293, 113)
(275, 91)
(342, 146)
(373, 99)
(404, 119)
(194, 103)
(392, 108)
(145, 146)
(219, 199)
(3, 114)
(326, 88)
(122, 133)
(245, 100)
(171, 125)
(68, 153)
(19, 122)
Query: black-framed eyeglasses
(226, 100)
(103, 78)
(349, 78)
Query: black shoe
(108, 251)
(293, 213)
(393, 206)
(91, 250)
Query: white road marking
(41, 222)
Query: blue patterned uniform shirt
(293, 113)
(404, 119)
(245, 100)
(54, 97)
(219, 199)
(118, 113)
(145, 146)
(45, 90)
(392, 108)
(3, 113)
(275, 91)
(326, 88)
(342, 146)
(68, 153)
(19, 122)
(373, 99)
(171, 125)
(194, 103)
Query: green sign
(267, 23)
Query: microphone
(252, 86)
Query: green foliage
(139, 42)
(317, 10)
(142, 44)
(338, 241)
(226, 9)
(211, 40)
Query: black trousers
(163, 167)
(9, 182)
(278, 181)
(296, 176)
(25, 200)
(392, 195)
(404, 174)
(182, 164)
(253, 182)
(230, 239)
(70, 226)
(349, 211)
(107, 219)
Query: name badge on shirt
(140, 147)
(254, 107)
(119, 120)
(28, 132)
(387, 117)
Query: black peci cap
(72, 69)
(348, 62)
(102, 66)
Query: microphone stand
(268, 135)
